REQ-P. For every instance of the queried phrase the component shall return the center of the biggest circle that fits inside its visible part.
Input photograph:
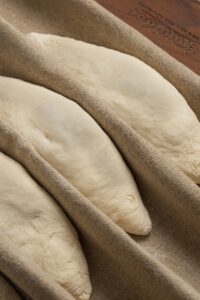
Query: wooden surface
(174, 25)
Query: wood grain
(174, 25)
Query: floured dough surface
(74, 144)
(7, 291)
(139, 94)
(32, 220)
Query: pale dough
(33, 221)
(74, 144)
(139, 94)
(7, 291)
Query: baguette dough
(7, 291)
(33, 221)
(74, 144)
(138, 93)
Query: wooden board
(174, 25)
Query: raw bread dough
(33, 221)
(7, 291)
(138, 93)
(74, 144)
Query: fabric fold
(164, 265)
(7, 290)
(84, 216)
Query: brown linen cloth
(165, 265)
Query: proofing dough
(138, 93)
(73, 143)
(32, 220)
(7, 291)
